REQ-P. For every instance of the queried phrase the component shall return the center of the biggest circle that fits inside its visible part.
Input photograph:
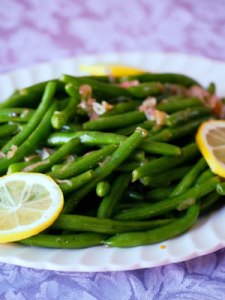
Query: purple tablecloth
(34, 31)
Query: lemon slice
(110, 69)
(210, 139)
(29, 203)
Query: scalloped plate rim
(101, 258)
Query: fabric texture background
(33, 31)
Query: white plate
(207, 236)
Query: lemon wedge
(29, 203)
(110, 69)
(210, 139)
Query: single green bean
(102, 188)
(138, 155)
(175, 78)
(7, 130)
(90, 138)
(160, 148)
(146, 89)
(46, 101)
(61, 118)
(178, 104)
(16, 114)
(159, 193)
(165, 178)
(179, 202)
(83, 164)
(133, 195)
(207, 202)
(211, 88)
(205, 175)
(121, 108)
(156, 235)
(130, 129)
(220, 188)
(67, 241)
(107, 206)
(30, 96)
(189, 179)
(116, 121)
(104, 225)
(187, 115)
(74, 183)
(19, 166)
(129, 166)
(172, 133)
(164, 163)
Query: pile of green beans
(127, 180)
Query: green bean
(130, 129)
(30, 96)
(158, 193)
(211, 88)
(104, 225)
(180, 79)
(83, 164)
(132, 204)
(164, 163)
(44, 165)
(47, 99)
(138, 155)
(172, 133)
(90, 138)
(146, 89)
(118, 156)
(31, 143)
(19, 166)
(178, 104)
(109, 202)
(189, 179)
(160, 148)
(121, 108)
(129, 166)
(61, 118)
(100, 89)
(74, 183)
(9, 129)
(179, 202)
(71, 127)
(116, 121)
(133, 195)
(102, 188)
(156, 235)
(17, 114)
(220, 188)
(65, 241)
(207, 202)
(205, 175)
(165, 178)
(187, 115)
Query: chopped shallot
(151, 113)
(37, 164)
(64, 181)
(46, 152)
(12, 151)
(210, 100)
(127, 84)
(85, 91)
